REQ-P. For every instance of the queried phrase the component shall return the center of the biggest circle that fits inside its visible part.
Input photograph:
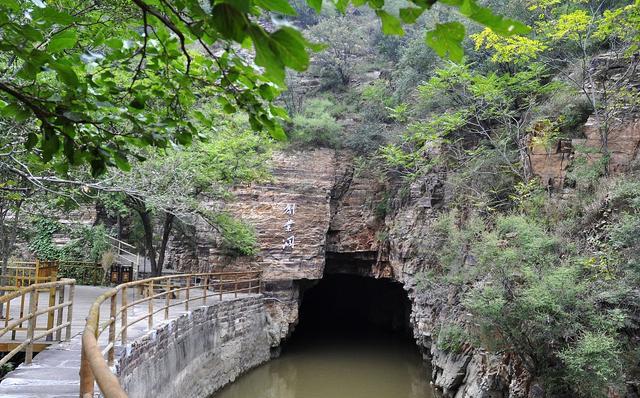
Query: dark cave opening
(347, 306)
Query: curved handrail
(31, 318)
(94, 367)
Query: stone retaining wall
(198, 353)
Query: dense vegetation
(551, 277)
(99, 106)
(102, 86)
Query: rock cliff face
(615, 79)
(341, 222)
(473, 372)
(320, 215)
(623, 146)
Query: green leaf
(229, 22)
(66, 74)
(50, 144)
(279, 6)
(53, 15)
(241, 5)
(184, 138)
(410, 14)
(62, 41)
(277, 132)
(374, 4)
(29, 71)
(341, 5)
(290, 45)
(267, 92)
(30, 33)
(75, 116)
(114, 43)
(69, 150)
(11, 4)
(265, 56)
(32, 140)
(390, 24)
(279, 112)
(485, 16)
(17, 112)
(121, 161)
(315, 4)
(446, 40)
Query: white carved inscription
(290, 241)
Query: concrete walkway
(55, 371)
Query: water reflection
(365, 368)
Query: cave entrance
(348, 306)
(351, 342)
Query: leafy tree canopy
(99, 78)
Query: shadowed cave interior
(347, 306)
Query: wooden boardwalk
(54, 371)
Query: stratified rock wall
(291, 214)
(614, 130)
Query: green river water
(366, 368)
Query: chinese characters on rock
(290, 241)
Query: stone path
(54, 371)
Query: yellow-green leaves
(517, 49)
(446, 39)
(570, 26)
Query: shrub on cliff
(316, 126)
(593, 364)
(532, 297)
(452, 338)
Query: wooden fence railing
(156, 296)
(60, 294)
(25, 273)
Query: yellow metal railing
(61, 292)
(156, 295)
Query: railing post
(188, 294)
(59, 320)
(87, 379)
(8, 311)
(150, 301)
(206, 289)
(235, 288)
(33, 307)
(13, 332)
(112, 330)
(167, 300)
(50, 314)
(123, 314)
(72, 289)
(221, 286)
